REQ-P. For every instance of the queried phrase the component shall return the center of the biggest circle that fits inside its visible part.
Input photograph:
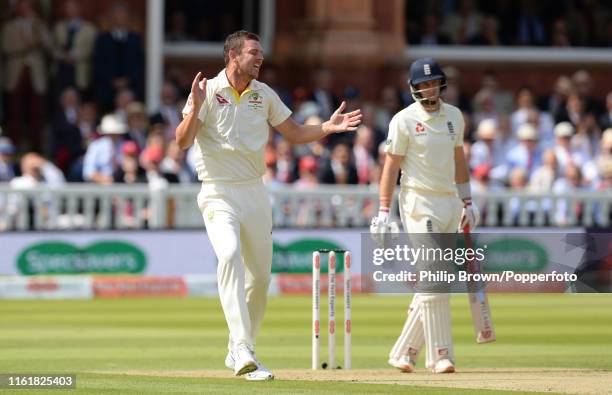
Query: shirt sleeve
(459, 142)
(203, 110)
(278, 112)
(397, 140)
(188, 106)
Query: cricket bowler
(229, 118)
(425, 141)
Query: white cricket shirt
(230, 143)
(428, 143)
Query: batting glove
(380, 226)
(470, 215)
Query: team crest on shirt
(255, 100)
(419, 128)
(222, 100)
(451, 130)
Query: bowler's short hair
(236, 41)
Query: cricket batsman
(229, 118)
(426, 142)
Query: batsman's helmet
(422, 70)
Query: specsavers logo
(516, 254)
(296, 257)
(59, 257)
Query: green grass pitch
(102, 340)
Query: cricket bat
(479, 302)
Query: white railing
(87, 206)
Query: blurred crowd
(560, 23)
(99, 130)
(565, 23)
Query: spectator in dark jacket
(340, 168)
(67, 139)
(118, 59)
(605, 121)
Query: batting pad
(437, 327)
(411, 339)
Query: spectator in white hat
(563, 148)
(527, 154)
(103, 155)
(485, 150)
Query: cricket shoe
(444, 366)
(229, 360)
(244, 361)
(403, 363)
(261, 374)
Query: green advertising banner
(296, 256)
(517, 254)
(511, 252)
(60, 257)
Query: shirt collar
(425, 115)
(224, 82)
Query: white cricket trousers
(238, 221)
(429, 321)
